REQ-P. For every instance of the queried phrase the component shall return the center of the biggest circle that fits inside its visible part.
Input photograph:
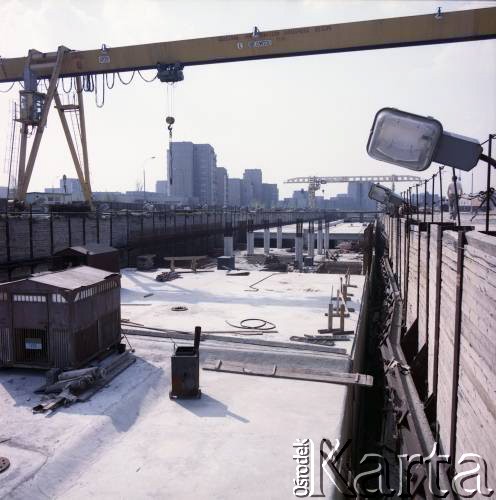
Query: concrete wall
(446, 266)
(25, 238)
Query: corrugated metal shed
(92, 254)
(73, 278)
(59, 319)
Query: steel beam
(457, 26)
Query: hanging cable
(107, 80)
(102, 102)
(170, 122)
(63, 86)
(122, 81)
(9, 89)
(88, 83)
(146, 80)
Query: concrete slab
(131, 441)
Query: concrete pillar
(326, 236)
(311, 239)
(228, 246)
(299, 244)
(250, 243)
(279, 235)
(266, 241)
(305, 239)
(320, 239)
(299, 251)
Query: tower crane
(314, 182)
(169, 59)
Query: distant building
(70, 185)
(221, 181)
(300, 199)
(180, 166)
(192, 169)
(234, 192)
(205, 163)
(247, 196)
(270, 195)
(3, 191)
(162, 187)
(253, 176)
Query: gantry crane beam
(465, 25)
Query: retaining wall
(453, 274)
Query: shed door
(30, 327)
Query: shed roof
(73, 278)
(88, 249)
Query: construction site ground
(131, 441)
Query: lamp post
(414, 142)
(144, 175)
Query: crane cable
(170, 121)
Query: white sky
(291, 117)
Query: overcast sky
(290, 117)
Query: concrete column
(279, 237)
(311, 244)
(299, 244)
(266, 241)
(299, 251)
(228, 246)
(326, 236)
(305, 239)
(319, 239)
(250, 243)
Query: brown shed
(59, 319)
(92, 254)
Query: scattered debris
(263, 325)
(273, 263)
(328, 337)
(275, 371)
(167, 276)
(318, 340)
(79, 385)
(147, 295)
(238, 273)
(179, 308)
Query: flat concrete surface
(131, 441)
(295, 302)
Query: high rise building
(205, 163)
(247, 197)
(253, 176)
(270, 195)
(180, 168)
(234, 192)
(221, 180)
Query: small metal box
(185, 370)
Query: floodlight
(384, 195)
(414, 141)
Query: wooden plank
(275, 371)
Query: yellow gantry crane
(314, 182)
(169, 59)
